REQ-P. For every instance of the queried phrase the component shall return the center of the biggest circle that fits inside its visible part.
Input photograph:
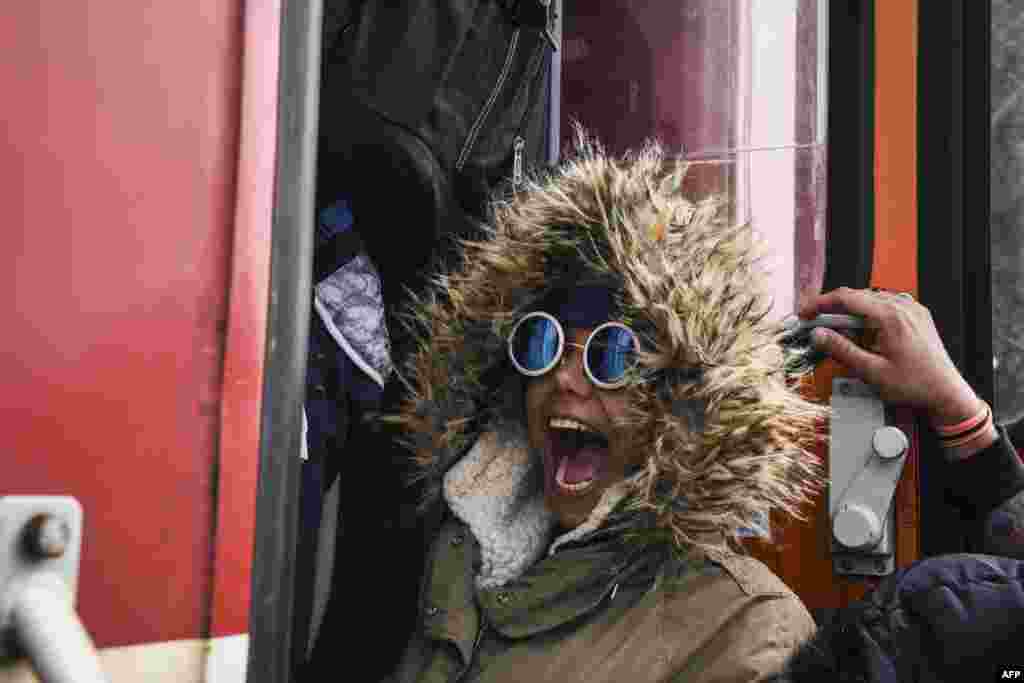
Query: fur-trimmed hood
(715, 402)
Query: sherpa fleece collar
(494, 491)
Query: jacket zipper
(478, 124)
(517, 164)
(472, 654)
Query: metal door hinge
(40, 546)
(866, 459)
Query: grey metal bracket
(866, 459)
(40, 548)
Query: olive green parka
(654, 585)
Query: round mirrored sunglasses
(537, 344)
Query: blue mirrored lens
(535, 344)
(611, 352)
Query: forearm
(989, 486)
(959, 453)
(1003, 530)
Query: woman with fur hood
(600, 409)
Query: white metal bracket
(40, 546)
(866, 459)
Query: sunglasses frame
(560, 353)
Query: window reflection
(738, 86)
(1007, 207)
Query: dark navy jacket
(946, 618)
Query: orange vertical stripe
(895, 257)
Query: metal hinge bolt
(47, 536)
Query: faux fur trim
(688, 280)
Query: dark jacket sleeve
(950, 618)
(990, 491)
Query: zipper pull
(551, 29)
(476, 644)
(517, 161)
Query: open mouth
(576, 456)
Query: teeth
(583, 433)
(568, 423)
(578, 487)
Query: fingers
(844, 300)
(870, 304)
(866, 365)
(899, 351)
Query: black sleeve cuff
(988, 478)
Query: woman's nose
(570, 374)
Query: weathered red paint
(247, 322)
(119, 170)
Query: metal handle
(47, 629)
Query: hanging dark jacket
(426, 107)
